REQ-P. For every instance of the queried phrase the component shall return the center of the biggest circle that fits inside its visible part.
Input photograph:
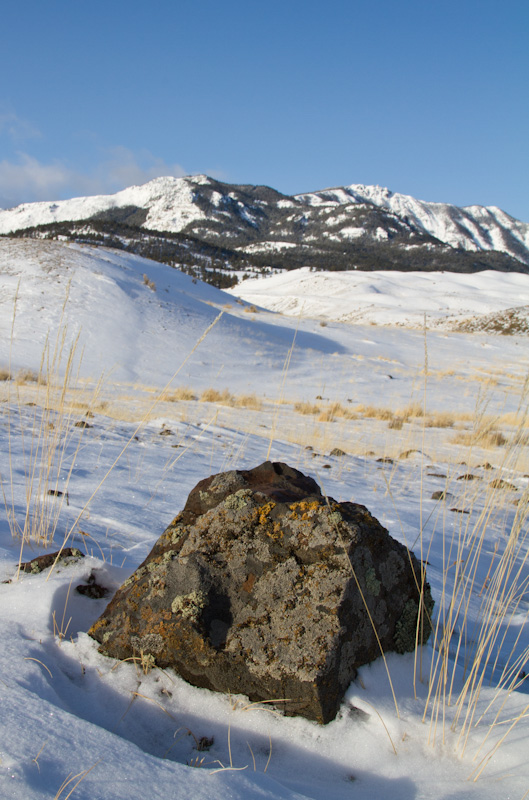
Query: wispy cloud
(28, 180)
(124, 168)
(16, 128)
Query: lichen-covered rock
(263, 587)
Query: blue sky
(428, 98)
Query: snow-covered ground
(386, 297)
(68, 711)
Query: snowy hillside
(136, 318)
(398, 298)
(363, 227)
(433, 434)
(169, 202)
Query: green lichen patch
(406, 628)
(238, 500)
(373, 585)
(190, 606)
(335, 518)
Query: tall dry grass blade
(147, 414)
(284, 374)
(70, 779)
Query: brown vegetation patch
(225, 397)
(181, 393)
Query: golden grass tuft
(51, 435)
(250, 401)
(181, 393)
(440, 419)
(25, 376)
(149, 283)
(5, 374)
(411, 411)
(375, 412)
(306, 408)
(335, 411)
(485, 436)
(224, 397)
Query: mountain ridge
(350, 227)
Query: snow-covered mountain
(361, 227)
(471, 228)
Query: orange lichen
(305, 509)
(263, 512)
(249, 582)
(276, 532)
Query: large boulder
(261, 586)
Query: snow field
(66, 709)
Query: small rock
(40, 563)
(440, 495)
(409, 453)
(91, 588)
(499, 483)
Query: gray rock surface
(261, 586)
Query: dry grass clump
(479, 646)
(492, 439)
(181, 393)
(411, 411)
(440, 419)
(5, 374)
(328, 414)
(250, 401)
(210, 395)
(334, 411)
(395, 418)
(24, 376)
(51, 434)
(307, 408)
(514, 418)
(251, 309)
(375, 412)
(149, 283)
(485, 435)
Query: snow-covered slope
(395, 298)
(329, 229)
(75, 723)
(136, 319)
